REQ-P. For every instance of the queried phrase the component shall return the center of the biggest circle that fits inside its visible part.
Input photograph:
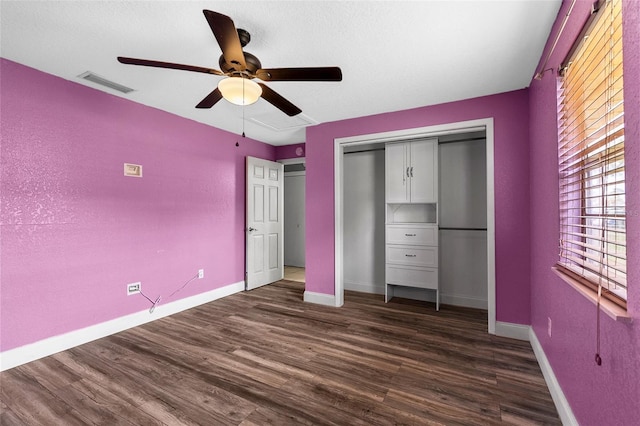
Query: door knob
(252, 229)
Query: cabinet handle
(407, 171)
(410, 255)
(411, 171)
(409, 235)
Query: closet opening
(465, 214)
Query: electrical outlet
(134, 288)
(549, 326)
(200, 273)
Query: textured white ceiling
(394, 55)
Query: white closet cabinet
(411, 234)
(411, 175)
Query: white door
(265, 249)
(423, 171)
(397, 173)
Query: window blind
(591, 157)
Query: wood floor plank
(33, 404)
(50, 373)
(166, 414)
(266, 357)
(8, 418)
(359, 410)
(286, 366)
(437, 410)
(266, 416)
(441, 386)
(100, 406)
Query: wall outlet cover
(134, 170)
(134, 288)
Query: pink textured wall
(75, 231)
(609, 394)
(290, 151)
(510, 113)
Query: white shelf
(412, 213)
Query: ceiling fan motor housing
(253, 65)
(244, 37)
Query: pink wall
(75, 231)
(510, 113)
(290, 151)
(609, 394)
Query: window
(591, 157)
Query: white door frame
(415, 133)
(298, 160)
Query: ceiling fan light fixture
(239, 90)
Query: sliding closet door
(463, 223)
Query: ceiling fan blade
(211, 99)
(227, 36)
(300, 74)
(278, 101)
(158, 64)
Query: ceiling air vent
(95, 78)
(279, 122)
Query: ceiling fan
(240, 68)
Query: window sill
(612, 310)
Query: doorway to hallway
(294, 219)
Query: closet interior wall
(463, 219)
(364, 217)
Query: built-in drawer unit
(412, 276)
(412, 255)
(411, 217)
(412, 235)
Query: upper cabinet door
(423, 171)
(397, 173)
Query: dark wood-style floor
(265, 357)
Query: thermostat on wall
(134, 170)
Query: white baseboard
(430, 296)
(468, 302)
(513, 331)
(49, 346)
(319, 298)
(562, 405)
(364, 288)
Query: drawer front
(427, 236)
(412, 277)
(413, 255)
